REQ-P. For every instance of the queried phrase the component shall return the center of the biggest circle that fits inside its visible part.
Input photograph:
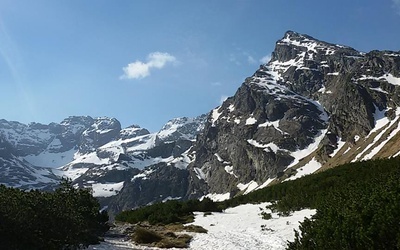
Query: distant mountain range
(315, 105)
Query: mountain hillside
(314, 105)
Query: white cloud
(396, 6)
(139, 70)
(222, 99)
(136, 70)
(265, 59)
(158, 59)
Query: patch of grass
(181, 241)
(145, 236)
(174, 227)
(195, 229)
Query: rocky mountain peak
(182, 128)
(100, 132)
(309, 100)
(133, 131)
(301, 47)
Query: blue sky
(147, 61)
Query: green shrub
(168, 212)
(266, 216)
(362, 216)
(66, 218)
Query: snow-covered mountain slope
(93, 152)
(20, 173)
(314, 105)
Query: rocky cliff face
(296, 112)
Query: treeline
(67, 218)
(358, 206)
(169, 212)
(311, 191)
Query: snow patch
(386, 77)
(214, 116)
(52, 160)
(70, 172)
(376, 149)
(381, 145)
(379, 90)
(266, 183)
(340, 144)
(144, 175)
(199, 173)
(218, 157)
(106, 189)
(300, 154)
(270, 147)
(170, 198)
(91, 158)
(392, 54)
(218, 197)
(229, 170)
(251, 121)
(307, 169)
(181, 162)
(392, 79)
(249, 187)
(275, 124)
(380, 120)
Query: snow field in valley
(240, 228)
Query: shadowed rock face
(162, 182)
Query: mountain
(315, 105)
(95, 153)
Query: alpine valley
(313, 106)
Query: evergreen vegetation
(68, 218)
(362, 214)
(358, 206)
(168, 212)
